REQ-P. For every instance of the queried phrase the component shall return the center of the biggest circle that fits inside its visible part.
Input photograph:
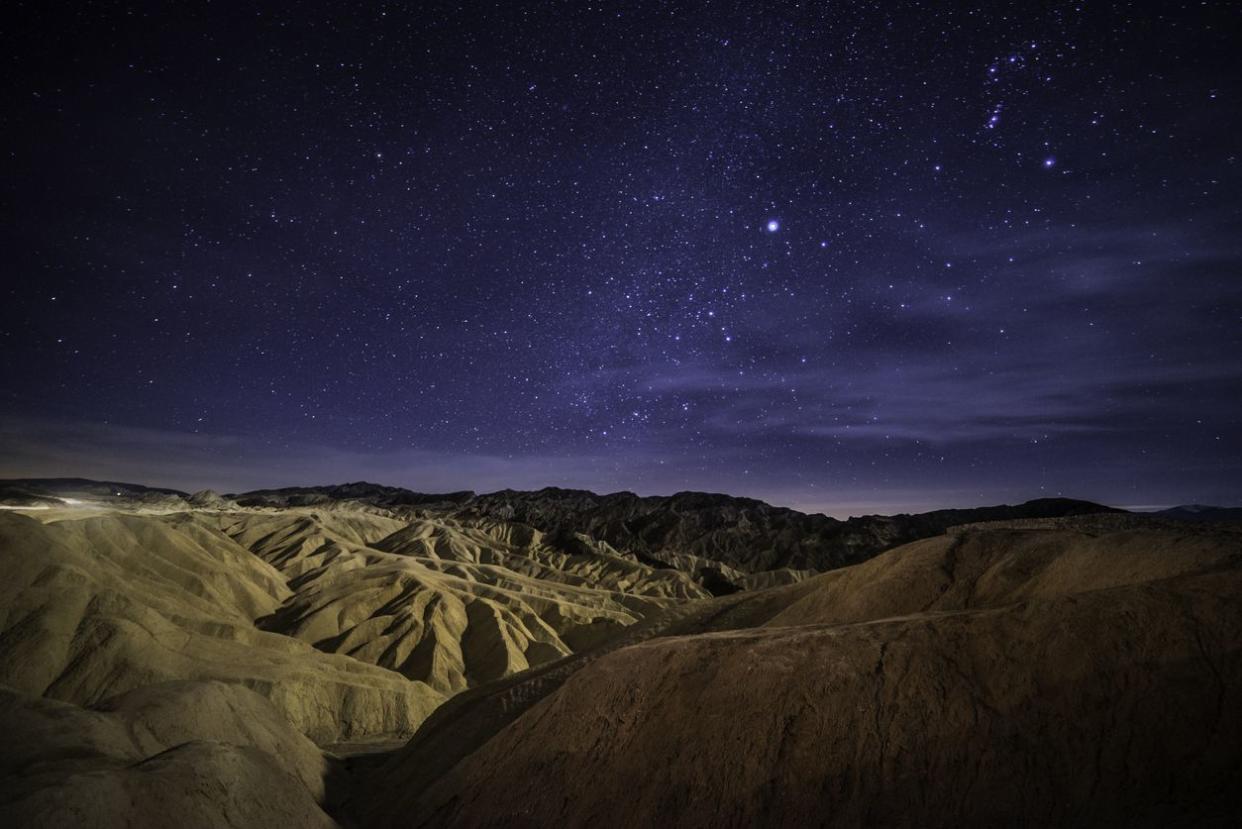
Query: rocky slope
(721, 542)
(188, 754)
(741, 533)
(442, 603)
(413, 611)
(716, 538)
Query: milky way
(839, 257)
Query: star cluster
(837, 256)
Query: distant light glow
(773, 225)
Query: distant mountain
(1199, 512)
(19, 495)
(374, 494)
(43, 491)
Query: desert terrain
(361, 655)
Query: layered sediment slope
(96, 607)
(187, 754)
(442, 603)
(690, 531)
(353, 623)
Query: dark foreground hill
(993, 677)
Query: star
(773, 225)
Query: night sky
(843, 257)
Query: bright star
(773, 225)
(1049, 163)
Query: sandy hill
(443, 603)
(347, 624)
(257, 660)
(355, 624)
(103, 605)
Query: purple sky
(844, 259)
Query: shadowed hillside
(985, 678)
